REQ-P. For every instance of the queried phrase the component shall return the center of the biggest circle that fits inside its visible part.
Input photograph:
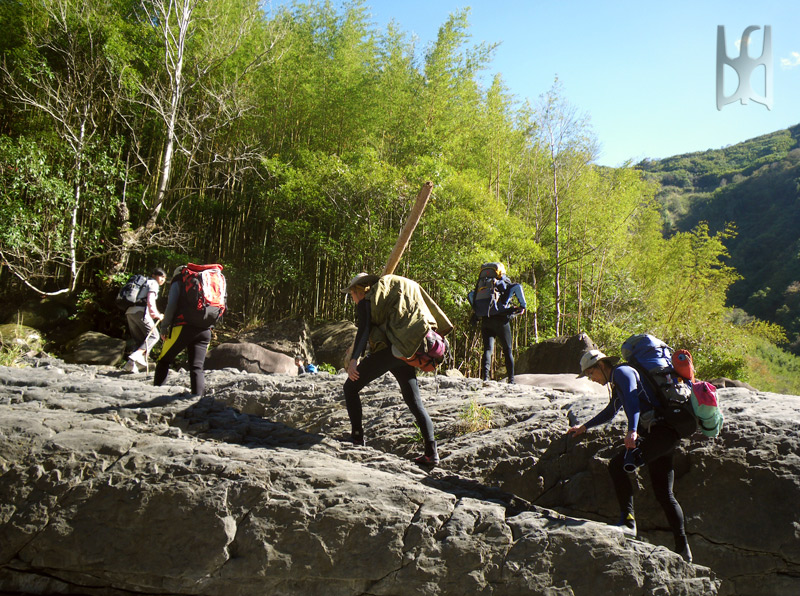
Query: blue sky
(644, 73)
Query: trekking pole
(408, 228)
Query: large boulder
(95, 348)
(21, 337)
(333, 342)
(43, 314)
(553, 356)
(291, 337)
(249, 357)
(114, 487)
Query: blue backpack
(652, 359)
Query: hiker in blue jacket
(648, 441)
(496, 319)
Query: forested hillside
(289, 146)
(753, 189)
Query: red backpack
(203, 294)
(431, 353)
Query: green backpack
(706, 408)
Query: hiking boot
(427, 460)
(686, 553)
(627, 523)
(357, 438)
(431, 456)
(130, 366)
(138, 358)
(682, 548)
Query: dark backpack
(133, 293)
(652, 359)
(486, 295)
(203, 295)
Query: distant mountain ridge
(756, 186)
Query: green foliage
(473, 418)
(752, 186)
(11, 356)
(300, 148)
(773, 369)
(35, 197)
(416, 437)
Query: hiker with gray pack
(492, 303)
(138, 299)
(650, 440)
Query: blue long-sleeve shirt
(629, 393)
(507, 290)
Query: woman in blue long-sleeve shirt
(655, 441)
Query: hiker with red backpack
(650, 440)
(197, 297)
(491, 302)
(396, 317)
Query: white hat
(594, 357)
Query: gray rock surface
(568, 382)
(109, 485)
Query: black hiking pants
(500, 328)
(195, 341)
(657, 448)
(374, 366)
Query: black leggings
(501, 329)
(657, 448)
(372, 367)
(195, 341)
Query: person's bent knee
(350, 389)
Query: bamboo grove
(289, 144)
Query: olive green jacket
(402, 314)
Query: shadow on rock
(213, 420)
(161, 401)
(464, 487)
